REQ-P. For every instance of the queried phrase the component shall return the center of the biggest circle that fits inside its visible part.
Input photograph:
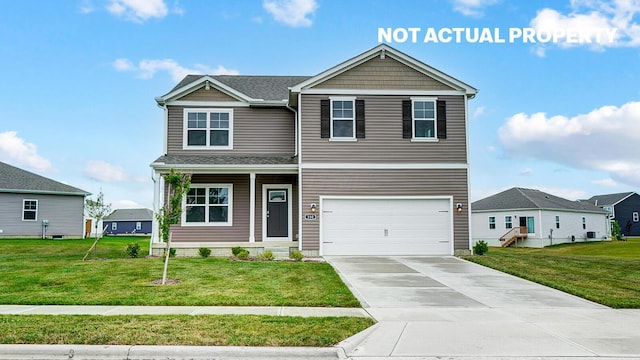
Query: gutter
(295, 128)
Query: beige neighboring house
(366, 158)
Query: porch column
(252, 207)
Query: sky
(80, 78)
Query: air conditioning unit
(591, 234)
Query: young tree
(96, 209)
(178, 185)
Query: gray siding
(255, 131)
(207, 95)
(239, 231)
(384, 142)
(65, 214)
(382, 74)
(385, 183)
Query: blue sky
(80, 77)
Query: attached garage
(386, 226)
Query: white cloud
(526, 172)
(591, 15)
(104, 172)
(86, 7)
(478, 111)
(606, 139)
(125, 204)
(567, 193)
(17, 151)
(137, 10)
(146, 69)
(471, 7)
(294, 13)
(606, 182)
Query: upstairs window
(29, 210)
(424, 119)
(208, 128)
(492, 222)
(557, 222)
(635, 216)
(114, 226)
(584, 223)
(343, 119)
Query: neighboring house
(368, 157)
(35, 206)
(623, 208)
(128, 221)
(532, 218)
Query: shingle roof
(609, 199)
(257, 87)
(130, 215)
(13, 179)
(226, 160)
(521, 198)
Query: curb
(145, 352)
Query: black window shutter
(441, 109)
(406, 119)
(325, 119)
(360, 119)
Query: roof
(212, 162)
(609, 199)
(130, 215)
(16, 180)
(530, 199)
(275, 88)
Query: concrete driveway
(447, 307)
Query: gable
(202, 94)
(386, 73)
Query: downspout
(154, 221)
(296, 154)
(540, 226)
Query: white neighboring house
(532, 218)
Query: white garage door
(386, 227)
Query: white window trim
(185, 129)
(353, 119)
(492, 223)
(508, 222)
(635, 217)
(206, 206)
(114, 226)
(435, 119)
(138, 225)
(23, 209)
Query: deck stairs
(513, 235)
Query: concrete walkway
(450, 308)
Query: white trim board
(385, 166)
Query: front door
(277, 213)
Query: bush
(267, 256)
(204, 252)
(616, 231)
(133, 249)
(236, 250)
(243, 254)
(296, 255)
(172, 253)
(480, 248)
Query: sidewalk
(179, 310)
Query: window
(635, 216)
(492, 222)
(584, 222)
(114, 226)
(508, 224)
(208, 205)
(557, 222)
(424, 119)
(29, 210)
(138, 226)
(208, 128)
(343, 119)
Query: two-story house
(368, 157)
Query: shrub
(204, 252)
(296, 255)
(267, 256)
(480, 247)
(133, 249)
(243, 254)
(172, 253)
(616, 231)
(236, 250)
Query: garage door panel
(386, 226)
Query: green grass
(52, 272)
(220, 330)
(604, 272)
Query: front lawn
(604, 272)
(220, 330)
(52, 272)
